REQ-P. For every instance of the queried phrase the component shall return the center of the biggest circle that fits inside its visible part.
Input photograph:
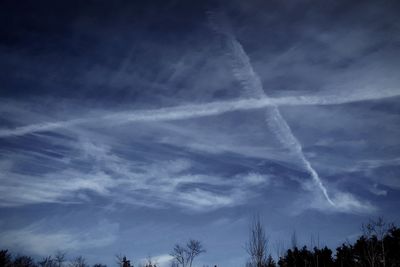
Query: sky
(127, 127)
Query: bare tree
(174, 263)
(23, 261)
(194, 249)
(381, 228)
(59, 258)
(257, 246)
(184, 255)
(375, 232)
(47, 262)
(122, 261)
(371, 244)
(79, 262)
(179, 254)
(150, 262)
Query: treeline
(58, 260)
(183, 256)
(366, 251)
(377, 246)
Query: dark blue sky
(127, 127)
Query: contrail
(200, 110)
(245, 74)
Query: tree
(24, 261)
(174, 263)
(5, 258)
(122, 261)
(323, 257)
(379, 228)
(179, 254)
(373, 233)
(345, 256)
(257, 246)
(149, 262)
(392, 244)
(47, 262)
(59, 258)
(79, 262)
(270, 262)
(184, 255)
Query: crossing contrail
(201, 110)
(251, 83)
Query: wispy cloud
(201, 110)
(373, 170)
(153, 184)
(374, 189)
(344, 203)
(37, 239)
(368, 164)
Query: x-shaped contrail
(255, 99)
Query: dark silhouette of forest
(377, 246)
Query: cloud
(379, 172)
(57, 187)
(255, 179)
(200, 200)
(367, 165)
(169, 125)
(200, 110)
(155, 183)
(344, 203)
(377, 191)
(39, 240)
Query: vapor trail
(199, 110)
(245, 74)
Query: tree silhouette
(122, 261)
(79, 262)
(24, 261)
(378, 246)
(184, 255)
(270, 262)
(257, 246)
(345, 256)
(59, 258)
(5, 258)
(47, 262)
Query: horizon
(128, 127)
(377, 231)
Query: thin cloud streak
(203, 110)
(154, 184)
(38, 239)
(245, 74)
